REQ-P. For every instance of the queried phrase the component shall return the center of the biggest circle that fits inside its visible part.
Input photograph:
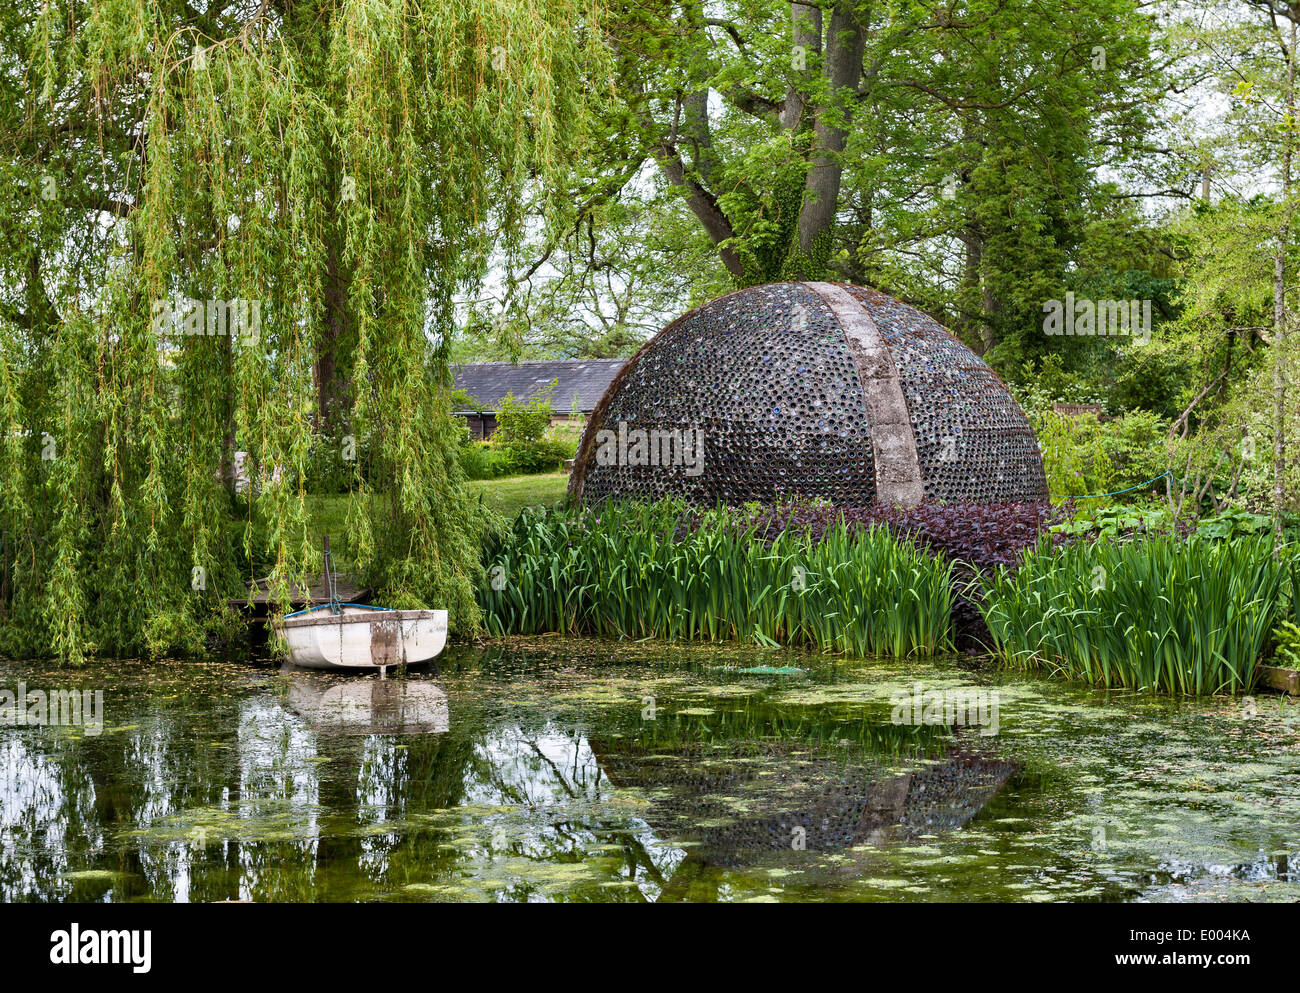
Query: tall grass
(1184, 615)
(637, 571)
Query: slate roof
(489, 382)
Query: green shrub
(523, 442)
(1155, 377)
(483, 460)
(1075, 459)
(1286, 640)
(522, 422)
(333, 463)
(1136, 446)
(545, 455)
(1085, 455)
(640, 571)
(1286, 636)
(1177, 615)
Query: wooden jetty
(259, 600)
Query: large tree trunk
(806, 32)
(1280, 316)
(703, 204)
(695, 174)
(331, 389)
(845, 44)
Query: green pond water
(584, 771)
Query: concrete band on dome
(893, 441)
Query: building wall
(482, 426)
(568, 420)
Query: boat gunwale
(366, 618)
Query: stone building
(579, 383)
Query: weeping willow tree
(226, 229)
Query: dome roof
(808, 389)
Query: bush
(1082, 454)
(1136, 446)
(1286, 640)
(545, 455)
(482, 460)
(1151, 378)
(485, 460)
(522, 442)
(520, 423)
(664, 571)
(1286, 636)
(332, 463)
(1085, 456)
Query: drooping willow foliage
(342, 167)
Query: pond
(549, 769)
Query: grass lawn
(327, 515)
(511, 494)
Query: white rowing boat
(338, 635)
(356, 636)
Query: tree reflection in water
(527, 775)
(303, 786)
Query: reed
(1182, 615)
(663, 571)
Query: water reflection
(366, 704)
(526, 776)
(737, 808)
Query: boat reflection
(366, 705)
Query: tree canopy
(240, 234)
(326, 174)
